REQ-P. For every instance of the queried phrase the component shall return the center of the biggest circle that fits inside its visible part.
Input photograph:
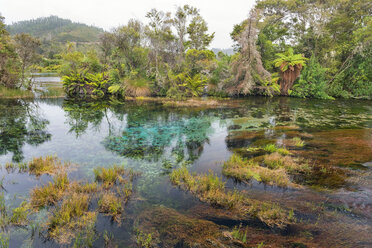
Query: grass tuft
(246, 170)
(111, 176)
(51, 193)
(211, 189)
(110, 204)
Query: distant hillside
(228, 51)
(56, 29)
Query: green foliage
(86, 84)
(337, 34)
(197, 31)
(185, 86)
(9, 62)
(312, 82)
(288, 60)
(355, 79)
(20, 214)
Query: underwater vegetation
(147, 141)
(211, 189)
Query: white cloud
(221, 15)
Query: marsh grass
(111, 176)
(4, 240)
(53, 91)
(271, 148)
(239, 234)
(298, 142)
(246, 170)
(276, 160)
(20, 214)
(15, 93)
(144, 240)
(50, 165)
(111, 204)
(71, 205)
(211, 189)
(46, 165)
(51, 193)
(70, 202)
(72, 219)
(4, 218)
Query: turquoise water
(154, 139)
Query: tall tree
(180, 22)
(198, 37)
(248, 69)
(26, 47)
(160, 36)
(9, 63)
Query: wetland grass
(239, 234)
(20, 214)
(211, 189)
(110, 204)
(246, 170)
(110, 176)
(72, 217)
(273, 148)
(51, 193)
(298, 142)
(50, 165)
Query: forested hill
(56, 29)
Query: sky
(221, 15)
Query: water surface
(153, 139)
